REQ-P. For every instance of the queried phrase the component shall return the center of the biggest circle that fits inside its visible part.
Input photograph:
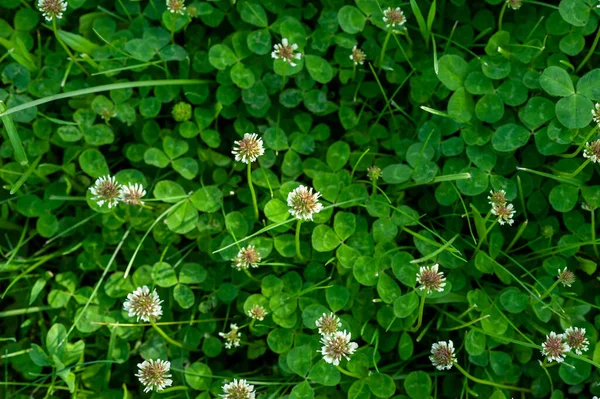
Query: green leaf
(575, 112)
(254, 14)
(318, 68)
(557, 82)
(563, 197)
(452, 71)
(207, 199)
(198, 376)
(324, 373)
(509, 137)
(242, 76)
(324, 238)
(589, 85)
(365, 271)
(168, 191)
(461, 105)
(418, 385)
(299, 360)
(220, 56)
(337, 155)
(396, 174)
(575, 12)
(574, 371)
(302, 391)
(93, 163)
(337, 297)
(381, 385)
(406, 304)
(359, 390)
(351, 20)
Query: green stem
(594, 234)
(484, 382)
(421, 310)
(67, 50)
(13, 136)
(20, 312)
(383, 48)
(517, 236)
(579, 169)
(482, 239)
(341, 370)
(169, 339)
(502, 16)
(549, 290)
(252, 191)
(298, 252)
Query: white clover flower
(328, 323)
(143, 304)
(497, 198)
(238, 389)
(154, 374)
(336, 346)
(286, 52)
(304, 203)
(596, 112)
(257, 312)
(52, 8)
(232, 338)
(566, 277)
(132, 194)
(248, 149)
(106, 190)
(246, 257)
(592, 151)
(555, 348)
(393, 17)
(575, 338)
(176, 6)
(442, 355)
(431, 279)
(514, 4)
(358, 56)
(505, 213)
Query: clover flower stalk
(555, 348)
(337, 346)
(154, 375)
(565, 277)
(303, 203)
(238, 389)
(232, 338)
(247, 150)
(106, 190)
(143, 304)
(575, 338)
(374, 173)
(328, 324)
(442, 355)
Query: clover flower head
(132, 194)
(442, 355)
(358, 56)
(52, 8)
(238, 389)
(154, 374)
(257, 312)
(286, 52)
(232, 338)
(575, 338)
(514, 4)
(106, 190)
(555, 347)
(337, 346)
(505, 213)
(304, 203)
(566, 277)
(393, 17)
(596, 111)
(182, 111)
(246, 257)
(328, 323)
(592, 151)
(497, 198)
(248, 149)
(374, 172)
(176, 6)
(143, 304)
(431, 279)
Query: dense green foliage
(456, 100)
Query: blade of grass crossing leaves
(13, 136)
(419, 17)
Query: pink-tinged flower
(286, 52)
(337, 346)
(431, 279)
(555, 348)
(442, 355)
(154, 375)
(575, 338)
(304, 203)
(143, 304)
(248, 149)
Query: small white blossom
(52, 8)
(106, 190)
(592, 151)
(304, 203)
(575, 338)
(248, 149)
(257, 312)
(232, 338)
(505, 213)
(154, 374)
(328, 323)
(566, 277)
(393, 17)
(431, 279)
(596, 113)
(442, 355)
(246, 257)
(555, 348)
(358, 56)
(238, 389)
(176, 6)
(132, 194)
(143, 304)
(286, 52)
(337, 346)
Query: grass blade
(13, 135)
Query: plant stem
(67, 50)
(502, 16)
(482, 239)
(298, 252)
(252, 191)
(421, 309)
(484, 382)
(169, 339)
(549, 290)
(594, 234)
(579, 169)
(589, 54)
(341, 370)
(383, 48)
